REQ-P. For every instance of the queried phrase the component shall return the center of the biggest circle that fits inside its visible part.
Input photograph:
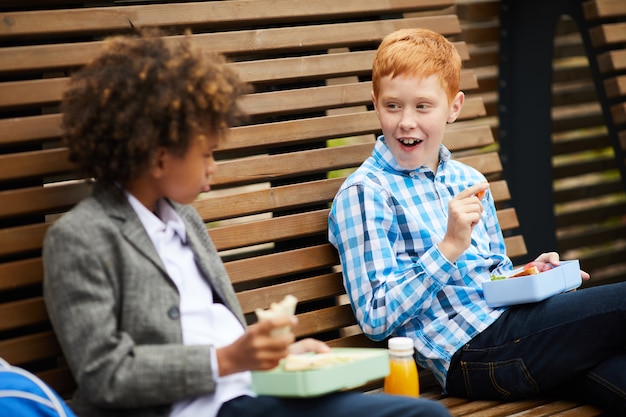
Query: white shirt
(203, 321)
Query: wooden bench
(311, 121)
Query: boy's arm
(386, 288)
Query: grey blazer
(115, 310)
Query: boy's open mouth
(410, 142)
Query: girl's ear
(159, 162)
(456, 106)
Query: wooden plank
(205, 14)
(22, 239)
(270, 230)
(20, 274)
(25, 130)
(280, 264)
(41, 200)
(611, 61)
(30, 348)
(22, 313)
(39, 92)
(305, 290)
(618, 113)
(325, 319)
(34, 164)
(277, 198)
(600, 9)
(515, 246)
(507, 218)
(615, 87)
(608, 34)
(64, 56)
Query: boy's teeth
(409, 141)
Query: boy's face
(413, 113)
(184, 177)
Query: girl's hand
(309, 345)
(257, 349)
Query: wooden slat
(612, 61)
(305, 290)
(609, 34)
(515, 246)
(24, 130)
(325, 319)
(40, 200)
(19, 274)
(22, 313)
(270, 230)
(110, 19)
(281, 264)
(34, 164)
(615, 87)
(20, 239)
(278, 198)
(600, 9)
(37, 92)
(37, 346)
(63, 56)
(61, 379)
(618, 113)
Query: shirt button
(173, 313)
(412, 174)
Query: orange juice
(402, 378)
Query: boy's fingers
(476, 189)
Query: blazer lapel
(116, 205)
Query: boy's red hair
(420, 53)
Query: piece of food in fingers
(481, 194)
(284, 308)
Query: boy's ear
(456, 106)
(374, 101)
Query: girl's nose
(210, 166)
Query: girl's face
(184, 177)
(413, 113)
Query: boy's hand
(464, 212)
(257, 349)
(549, 260)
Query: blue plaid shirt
(386, 223)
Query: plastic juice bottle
(402, 378)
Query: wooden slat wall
(309, 62)
(590, 203)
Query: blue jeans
(348, 404)
(571, 344)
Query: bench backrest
(310, 123)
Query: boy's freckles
(413, 113)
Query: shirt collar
(385, 157)
(154, 225)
